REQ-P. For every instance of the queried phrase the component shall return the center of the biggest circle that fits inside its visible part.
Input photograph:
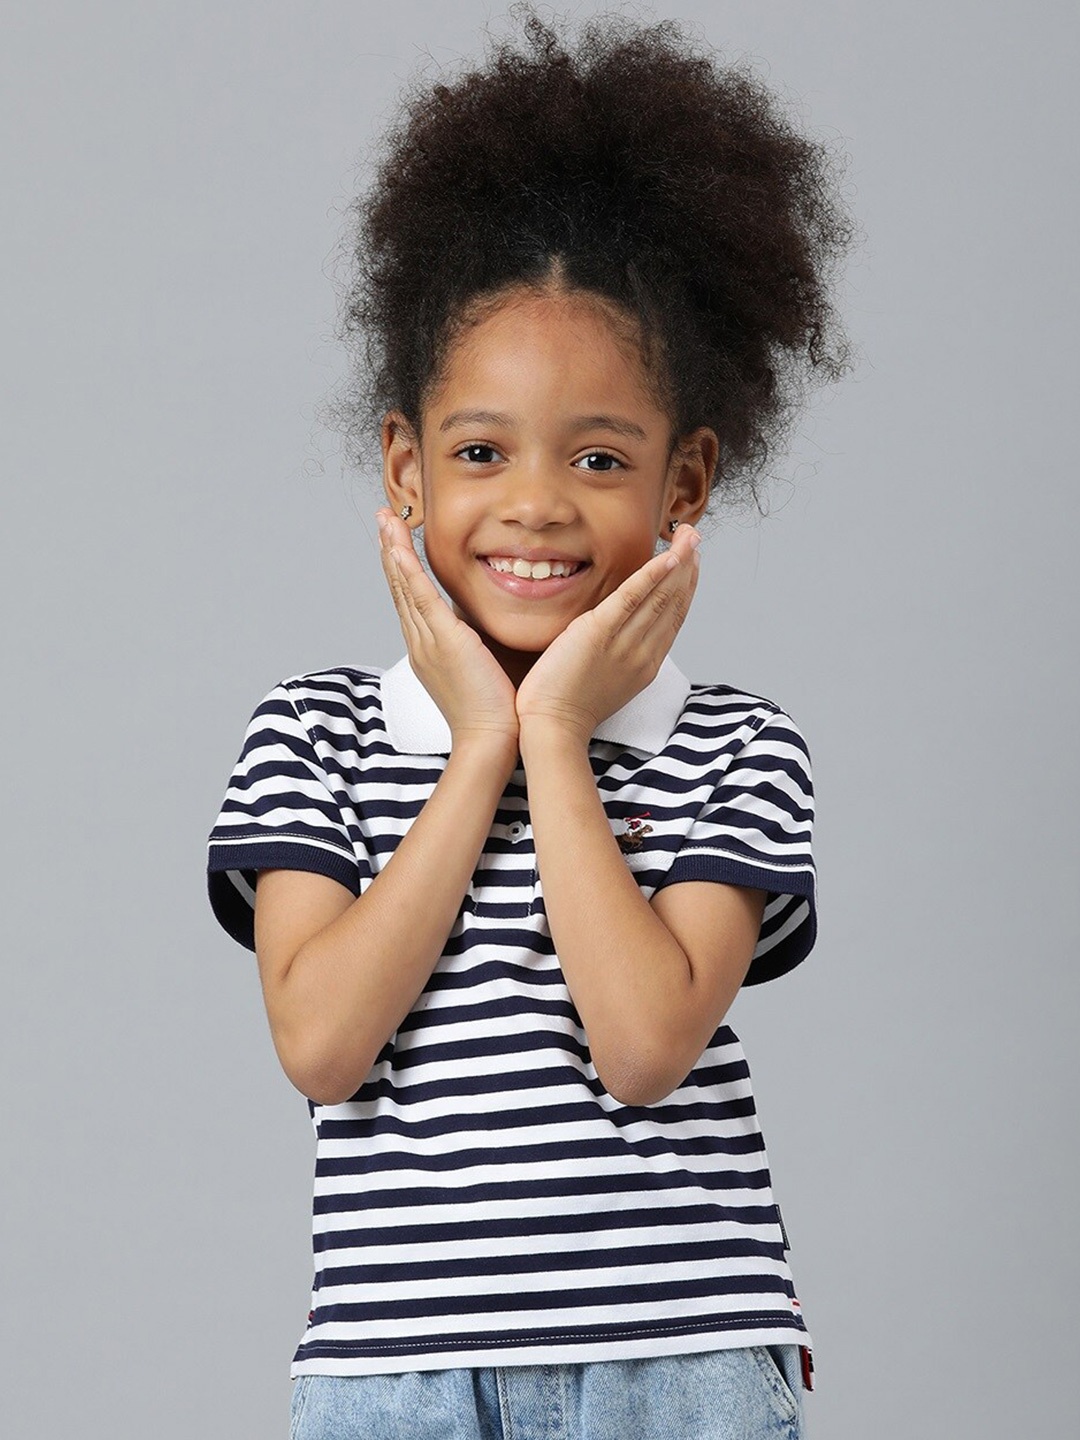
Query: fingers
(419, 605)
(662, 611)
(415, 597)
(656, 597)
(395, 578)
(395, 536)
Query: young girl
(503, 894)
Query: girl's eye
(478, 454)
(608, 462)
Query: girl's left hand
(608, 655)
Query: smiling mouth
(534, 569)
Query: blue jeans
(740, 1394)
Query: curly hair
(630, 166)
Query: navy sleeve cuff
(785, 953)
(231, 877)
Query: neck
(516, 663)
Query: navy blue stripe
(486, 1010)
(503, 1083)
(380, 1162)
(365, 732)
(556, 1188)
(486, 971)
(510, 1081)
(587, 1222)
(549, 1116)
(699, 1252)
(341, 680)
(515, 1301)
(460, 1049)
(341, 702)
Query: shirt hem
(649, 1342)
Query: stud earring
(405, 511)
(673, 525)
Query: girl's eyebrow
(477, 417)
(616, 423)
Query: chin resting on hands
(608, 655)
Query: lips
(534, 574)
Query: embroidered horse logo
(635, 832)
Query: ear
(402, 471)
(690, 474)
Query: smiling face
(545, 470)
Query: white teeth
(536, 570)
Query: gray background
(179, 535)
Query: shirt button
(515, 830)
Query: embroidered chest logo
(636, 830)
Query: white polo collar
(416, 726)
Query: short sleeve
(279, 812)
(756, 830)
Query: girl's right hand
(453, 664)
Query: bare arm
(651, 982)
(340, 974)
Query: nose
(536, 496)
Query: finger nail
(383, 520)
(695, 540)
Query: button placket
(514, 833)
(517, 832)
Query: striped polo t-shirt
(481, 1199)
